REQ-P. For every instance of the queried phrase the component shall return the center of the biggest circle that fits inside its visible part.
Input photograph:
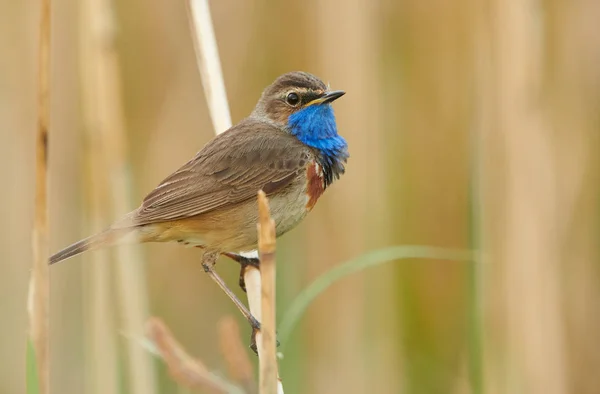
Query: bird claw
(244, 262)
(253, 344)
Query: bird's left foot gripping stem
(208, 263)
(244, 262)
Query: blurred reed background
(470, 124)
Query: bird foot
(244, 262)
(253, 344)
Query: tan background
(469, 123)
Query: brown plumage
(211, 200)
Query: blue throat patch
(315, 126)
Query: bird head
(292, 93)
(300, 103)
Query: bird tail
(107, 237)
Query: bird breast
(291, 205)
(234, 228)
(315, 185)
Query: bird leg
(245, 262)
(208, 263)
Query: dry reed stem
(267, 345)
(110, 125)
(209, 65)
(184, 369)
(252, 278)
(530, 239)
(236, 354)
(100, 375)
(39, 281)
(207, 56)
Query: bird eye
(292, 99)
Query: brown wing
(230, 169)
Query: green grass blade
(33, 384)
(475, 278)
(475, 318)
(370, 259)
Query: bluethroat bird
(289, 147)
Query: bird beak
(328, 97)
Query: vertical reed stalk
(482, 117)
(207, 56)
(100, 339)
(107, 121)
(530, 237)
(475, 273)
(209, 65)
(39, 282)
(267, 346)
